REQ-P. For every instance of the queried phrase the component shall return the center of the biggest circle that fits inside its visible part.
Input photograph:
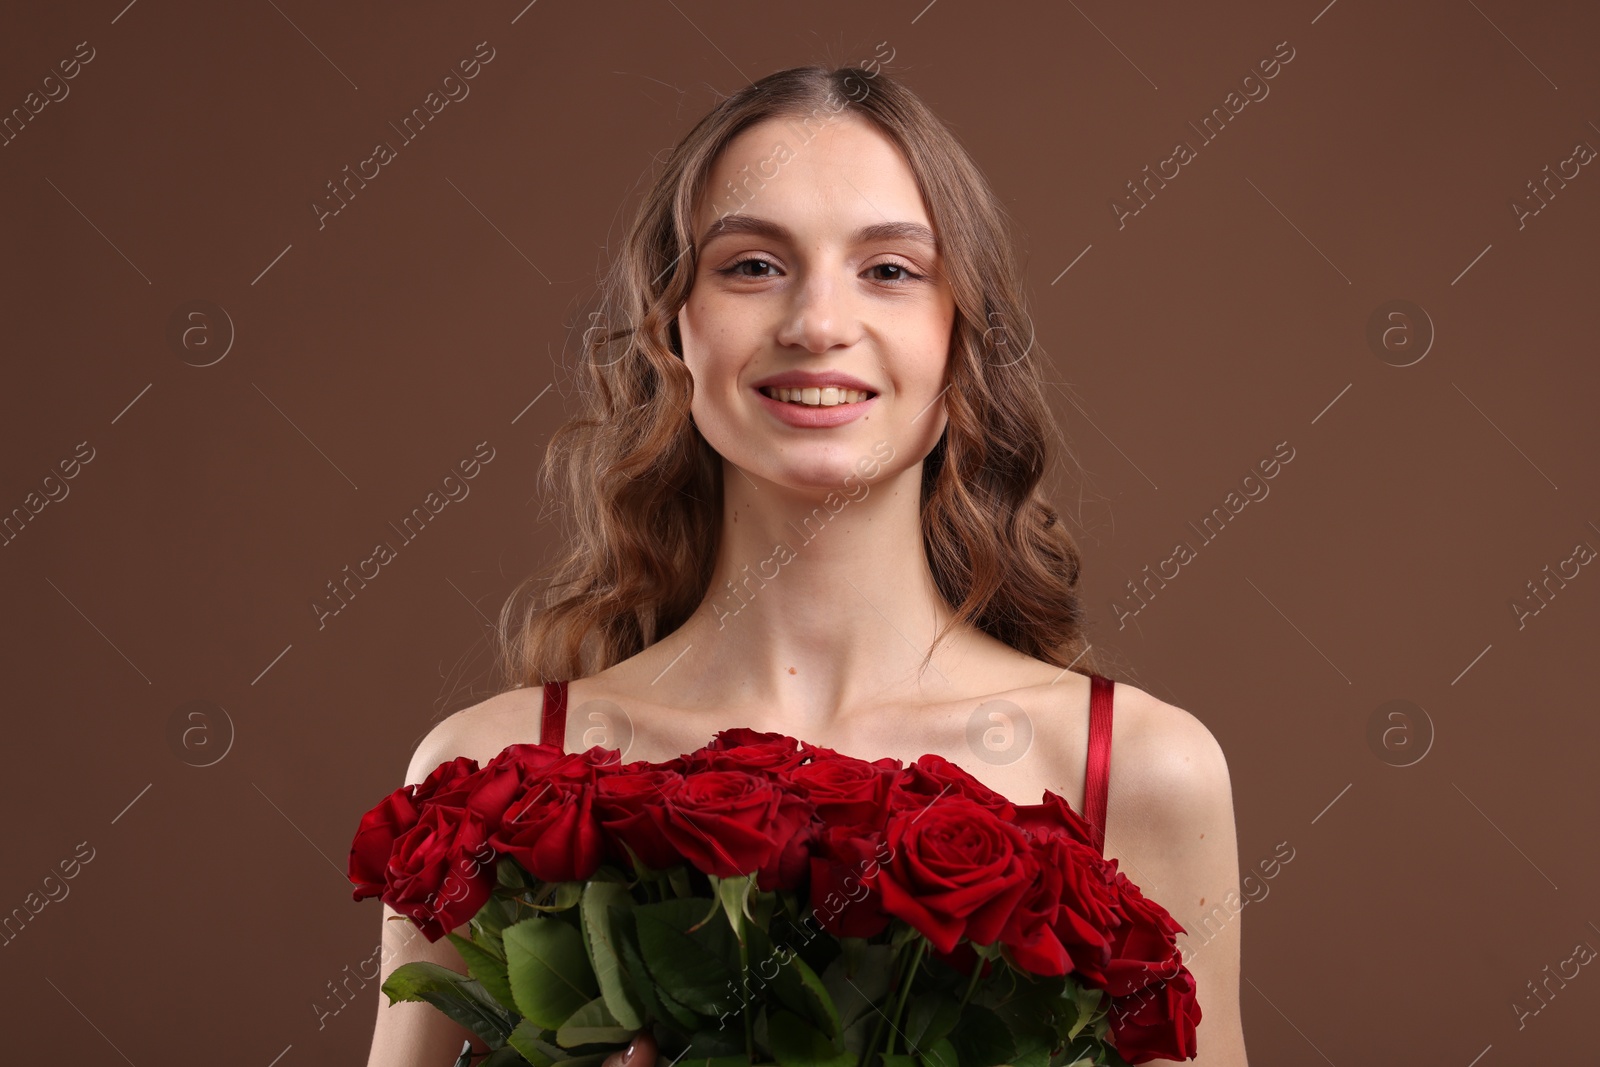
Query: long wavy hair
(639, 489)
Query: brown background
(372, 355)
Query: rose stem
(973, 983)
(910, 978)
(744, 973)
(877, 1027)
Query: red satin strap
(1097, 780)
(554, 728)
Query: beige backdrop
(218, 395)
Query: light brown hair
(639, 490)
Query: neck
(820, 600)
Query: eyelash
(910, 275)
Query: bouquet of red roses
(767, 901)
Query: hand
(641, 1052)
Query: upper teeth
(822, 397)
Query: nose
(820, 316)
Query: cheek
(704, 331)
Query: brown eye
(734, 269)
(907, 274)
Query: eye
(733, 269)
(908, 275)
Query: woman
(803, 497)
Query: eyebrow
(739, 223)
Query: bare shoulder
(1170, 819)
(1166, 765)
(479, 731)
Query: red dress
(1097, 778)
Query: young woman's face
(798, 281)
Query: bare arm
(1170, 822)
(411, 1033)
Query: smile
(816, 397)
(815, 408)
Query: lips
(826, 396)
(807, 417)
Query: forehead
(813, 175)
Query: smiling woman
(742, 364)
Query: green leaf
(527, 1039)
(897, 1060)
(904, 933)
(714, 1046)
(1085, 1001)
(551, 897)
(796, 1043)
(486, 926)
(1034, 1050)
(685, 1017)
(817, 951)
(799, 989)
(462, 998)
(509, 874)
(932, 1016)
(549, 972)
(982, 1039)
(505, 1057)
(599, 938)
(1026, 1007)
(488, 969)
(763, 906)
(567, 895)
(857, 979)
(687, 951)
(941, 1054)
(736, 1060)
(592, 1024)
(639, 978)
(1036, 1056)
(734, 894)
(857, 1033)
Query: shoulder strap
(554, 729)
(1097, 780)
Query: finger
(641, 1052)
(618, 1059)
(628, 1057)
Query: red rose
(743, 749)
(956, 870)
(1029, 932)
(794, 830)
(844, 865)
(1143, 948)
(551, 830)
(1088, 912)
(628, 804)
(847, 791)
(1054, 815)
(932, 776)
(1157, 1022)
(441, 871)
(728, 823)
(391, 818)
(521, 769)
